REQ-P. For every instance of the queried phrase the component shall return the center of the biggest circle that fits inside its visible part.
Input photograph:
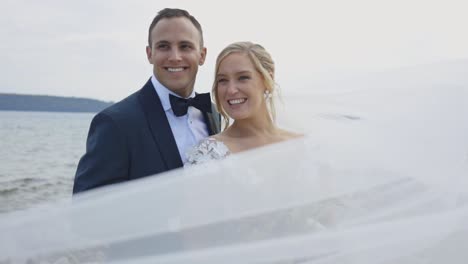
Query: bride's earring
(267, 95)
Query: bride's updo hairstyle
(262, 62)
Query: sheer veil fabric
(380, 177)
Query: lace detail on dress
(208, 149)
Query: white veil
(380, 177)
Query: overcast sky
(96, 48)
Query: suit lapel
(159, 126)
(212, 121)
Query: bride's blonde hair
(262, 62)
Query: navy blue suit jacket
(129, 140)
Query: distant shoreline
(46, 103)
(46, 111)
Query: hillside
(19, 102)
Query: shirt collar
(163, 93)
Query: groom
(150, 131)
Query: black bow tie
(180, 105)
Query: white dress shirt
(189, 129)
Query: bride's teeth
(175, 69)
(236, 101)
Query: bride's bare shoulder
(219, 137)
(287, 134)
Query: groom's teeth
(175, 69)
(236, 101)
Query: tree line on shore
(21, 102)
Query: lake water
(39, 152)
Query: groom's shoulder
(125, 110)
(126, 105)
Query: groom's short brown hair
(175, 12)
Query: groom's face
(176, 53)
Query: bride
(243, 88)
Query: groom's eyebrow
(161, 42)
(186, 42)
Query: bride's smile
(237, 101)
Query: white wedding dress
(381, 177)
(206, 150)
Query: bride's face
(240, 87)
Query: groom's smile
(177, 69)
